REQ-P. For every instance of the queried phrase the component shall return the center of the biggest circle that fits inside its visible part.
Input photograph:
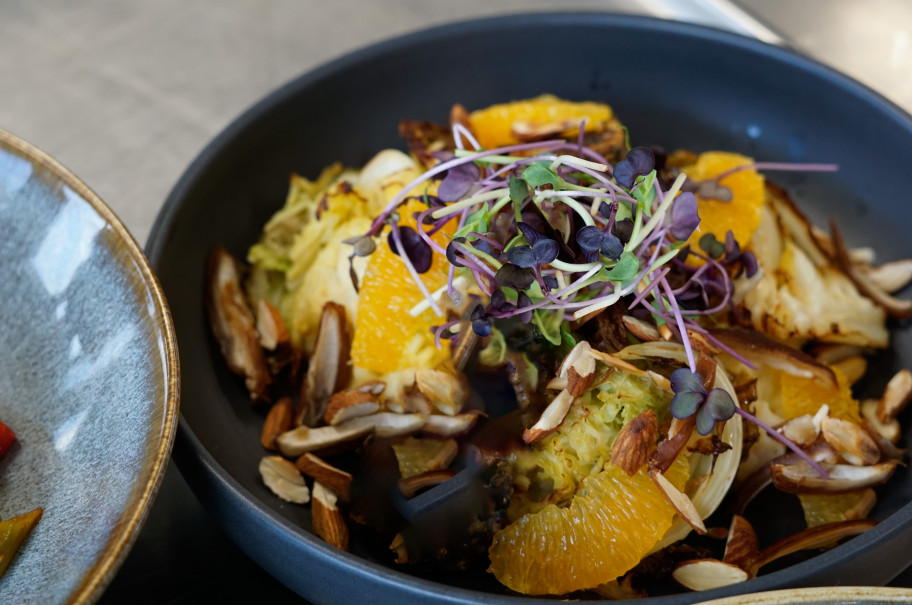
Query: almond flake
(551, 418)
(278, 420)
(851, 441)
(681, 503)
(347, 405)
(284, 479)
(449, 426)
(320, 470)
(705, 574)
(742, 543)
(327, 518)
(635, 443)
(896, 396)
(891, 430)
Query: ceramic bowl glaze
(672, 84)
(88, 376)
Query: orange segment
(820, 509)
(493, 125)
(384, 330)
(608, 527)
(742, 214)
(806, 395)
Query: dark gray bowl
(672, 84)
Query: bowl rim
(119, 543)
(886, 531)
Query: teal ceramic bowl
(88, 380)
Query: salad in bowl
(530, 347)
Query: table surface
(127, 93)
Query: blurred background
(126, 94)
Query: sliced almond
(233, 323)
(800, 430)
(834, 353)
(891, 277)
(706, 574)
(891, 430)
(409, 486)
(284, 479)
(888, 451)
(896, 396)
(372, 387)
(668, 449)
(641, 329)
(577, 354)
(808, 539)
(635, 443)
(679, 501)
(742, 544)
(330, 365)
(271, 326)
(317, 468)
(551, 418)
(851, 441)
(388, 424)
(702, 344)
(327, 518)
(800, 478)
(279, 419)
(346, 405)
(578, 384)
(558, 383)
(449, 426)
(303, 439)
(615, 362)
(445, 391)
(398, 547)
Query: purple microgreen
(684, 404)
(481, 321)
(711, 246)
(362, 245)
(457, 182)
(545, 250)
(639, 162)
(499, 303)
(592, 239)
(623, 229)
(719, 404)
(524, 302)
(521, 256)
(684, 217)
(539, 176)
(690, 397)
(550, 282)
(400, 250)
(683, 380)
(419, 253)
(513, 276)
(705, 421)
(452, 251)
(532, 236)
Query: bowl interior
(671, 84)
(88, 376)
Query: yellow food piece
(609, 526)
(741, 215)
(384, 330)
(820, 509)
(492, 125)
(13, 533)
(414, 455)
(806, 395)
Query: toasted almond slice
(701, 343)
(284, 479)
(811, 538)
(742, 544)
(446, 391)
(862, 508)
(450, 426)
(800, 478)
(641, 329)
(801, 430)
(233, 323)
(893, 276)
(279, 419)
(270, 325)
(823, 412)
(851, 441)
(679, 501)
(705, 574)
(330, 365)
(389, 424)
(327, 518)
(896, 396)
(551, 418)
(579, 352)
(317, 468)
(398, 547)
(409, 486)
(578, 384)
(834, 353)
(891, 430)
(557, 383)
(615, 362)
(351, 404)
(372, 387)
(888, 451)
(635, 443)
(303, 439)
(661, 381)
